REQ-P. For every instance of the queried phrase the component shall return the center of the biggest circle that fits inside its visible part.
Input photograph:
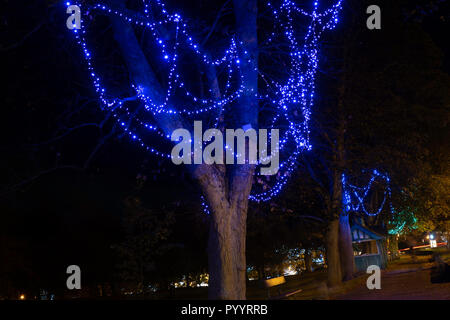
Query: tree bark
(335, 209)
(308, 261)
(448, 238)
(333, 259)
(346, 248)
(227, 234)
(261, 273)
(226, 254)
(393, 247)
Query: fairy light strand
(290, 97)
(354, 197)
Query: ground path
(409, 278)
(415, 285)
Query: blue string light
(205, 206)
(292, 98)
(354, 197)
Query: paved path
(401, 285)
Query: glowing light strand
(300, 87)
(354, 197)
(297, 93)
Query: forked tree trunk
(227, 235)
(333, 259)
(346, 248)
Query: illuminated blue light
(294, 95)
(354, 197)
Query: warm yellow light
(22, 297)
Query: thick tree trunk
(333, 259)
(227, 234)
(346, 248)
(226, 254)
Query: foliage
(145, 232)
(432, 199)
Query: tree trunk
(228, 201)
(226, 254)
(261, 273)
(393, 247)
(447, 236)
(308, 260)
(346, 247)
(333, 259)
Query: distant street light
(433, 243)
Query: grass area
(443, 252)
(421, 258)
(408, 261)
(446, 256)
(310, 283)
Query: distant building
(368, 247)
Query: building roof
(360, 233)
